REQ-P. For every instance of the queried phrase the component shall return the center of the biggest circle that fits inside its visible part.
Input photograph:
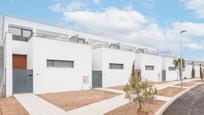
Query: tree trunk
(140, 106)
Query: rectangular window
(149, 67)
(60, 63)
(171, 68)
(115, 66)
(20, 34)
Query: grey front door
(163, 75)
(96, 79)
(22, 78)
(22, 81)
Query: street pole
(181, 57)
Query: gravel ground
(131, 109)
(75, 99)
(10, 106)
(170, 91)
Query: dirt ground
(10, 106)
(170, 91)
(131, 109)
(75, 99)
(187, 84)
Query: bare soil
(170, 91)
(10, 106)
(75, 99)
(131, 109)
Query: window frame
(53, 65)
(111, 66)
(147, 66)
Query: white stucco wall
(153, 60)
(97, 59)
(8, 64)
(188, 71)
(113, 77)
(116, 77)
(51, 79)
(170, 75)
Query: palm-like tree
(177, 65)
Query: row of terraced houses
(39, 58)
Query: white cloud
(195, 5)
(194, 46)
(130, 25)
(71, 6)
(97, 1)
(133, 26)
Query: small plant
(137, 91)
(201, 72)
(193, 71)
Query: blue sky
(154, 23)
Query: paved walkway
(37, 106)
(191, 103)
(168, 84)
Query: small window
(115, 66)
(148, 67)
(60, 63)
(171, 68)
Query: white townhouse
(168, 69)
(112, 64)
(149, 64)
(187, 73)
(39, 58)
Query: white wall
(188, 71)
(170, 75)
(8, 64)
(48, 79)
(97, 59)
(113, 77)
(153, 60)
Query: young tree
(201, 72)
(177, 64)
(193, 71)
(137, 91)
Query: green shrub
(137, 91)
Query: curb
(168, 103)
